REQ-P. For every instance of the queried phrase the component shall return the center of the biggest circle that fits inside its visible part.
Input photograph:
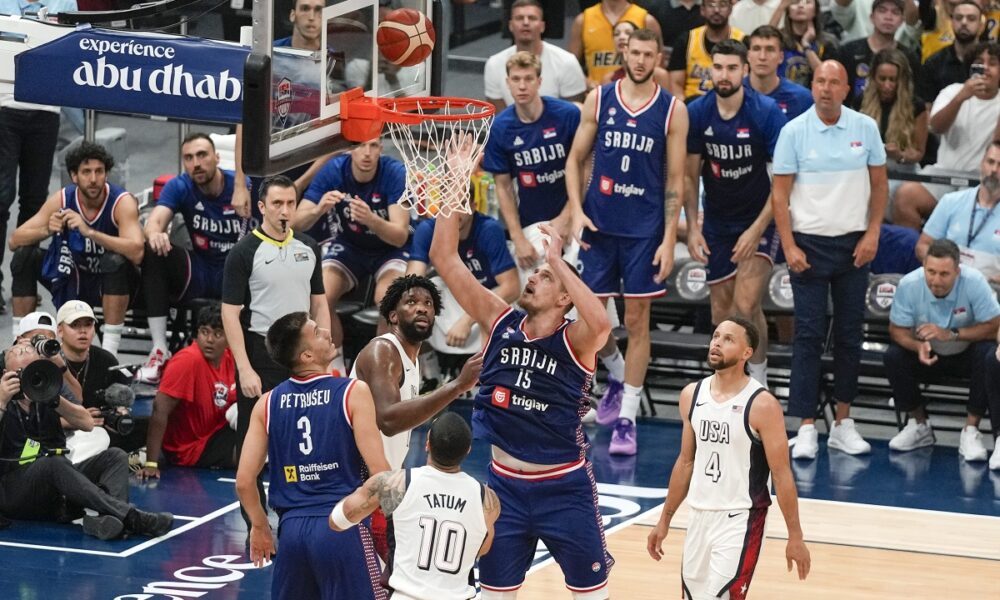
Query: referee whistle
(284, 225)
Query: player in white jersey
(389, 365)
(733, 440)
(442, 519)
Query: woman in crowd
(806, 44)
(900, 114)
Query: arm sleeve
(173, 194)
(491, 240)
(944, 97)
(495, 160)
(236, 274)
(901, 313)
(984, 300)
(937, 224)
(785, 159)
(876, 149)
(323, 182)
(421, 246)
(572, 81)
(678, 58)
(178, 377)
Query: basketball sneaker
(995, 459)
(623, 440)
(845, 437)
(806, 443)
(914, 435)
(970, 444)
(590, 418)
(103, 527)
(611, 402)
(150, 372)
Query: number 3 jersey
(435, 535)
(313, 459)
(730, 468)
(532, 394)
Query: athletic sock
(615, 364)
(158, 331)
(112, 338)
(630, 402)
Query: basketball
(405, 37)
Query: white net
(440, 152)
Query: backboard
(293, 83)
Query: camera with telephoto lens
(46, 347)
(41, 382)
(113, 398)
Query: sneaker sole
(921, 444)
(622, 451)
(980, 458)
(837, 446)
(608, 420)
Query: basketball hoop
(428, 132)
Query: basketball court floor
(910, 526)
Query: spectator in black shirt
(93, 368)
(951, 64)
(676, 17)
(35, 476)
(856, 55)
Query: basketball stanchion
(440, 139)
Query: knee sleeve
(25, 268)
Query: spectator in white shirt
(748, 15)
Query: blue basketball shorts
(313, 561)
(204, 278)
(358, 263)
(616, 265)
(563, 513)
(721, 238)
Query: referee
(270, 273)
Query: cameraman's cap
(73, 310)
(36, 320)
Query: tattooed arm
(491, 511)
(673, 197)
(384, 489)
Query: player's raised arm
(251, 462)
(477, 301)
(385, 490)
(590, 332)
(767, 418)
(47, 221)
(583, 144)
(680, 477)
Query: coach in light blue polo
(829, 195)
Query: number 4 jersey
(435, 535)
(313, 459)
(730, 468)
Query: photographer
(93, 367)
(189, 426)
(35, 474)
(41, 323)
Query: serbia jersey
(312, 457)
(534, 155)
(484, 251)
(735, 154)
(792, 98)
(533, 393)
(212, 222)
(730, 467)
(625, 193)
(87, 253)
(381, 192)
(435, 535)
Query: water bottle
(492, 205)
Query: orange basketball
(405, 37)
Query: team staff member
(268, 274)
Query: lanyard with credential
(972, 219)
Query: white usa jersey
(730, 468)
(435, 535)
(398, 445)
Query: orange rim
(401, 110)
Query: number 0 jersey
(435, 535)
(532, 394)
(313, 459)
(730, 468)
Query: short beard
(414, 335)
(991, 183)
(628, 72)
(964, 37)
(731, 91)
(721, 364)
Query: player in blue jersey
(636, 133)
(318, 434)
(733, 132)
(537, 369)
(172, 274)
(353, 202)
(764, 55)
(96, 244)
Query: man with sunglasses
(189, 426)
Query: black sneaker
(103, 527)
(149, 524)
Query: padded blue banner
(153, 74)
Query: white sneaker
(590, 418)
(845, 437)
(806, 443)
(995, 459)
(914, 435)
(970, 444)
(150, 372)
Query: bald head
(829, 89)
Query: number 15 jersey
(730, 468)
